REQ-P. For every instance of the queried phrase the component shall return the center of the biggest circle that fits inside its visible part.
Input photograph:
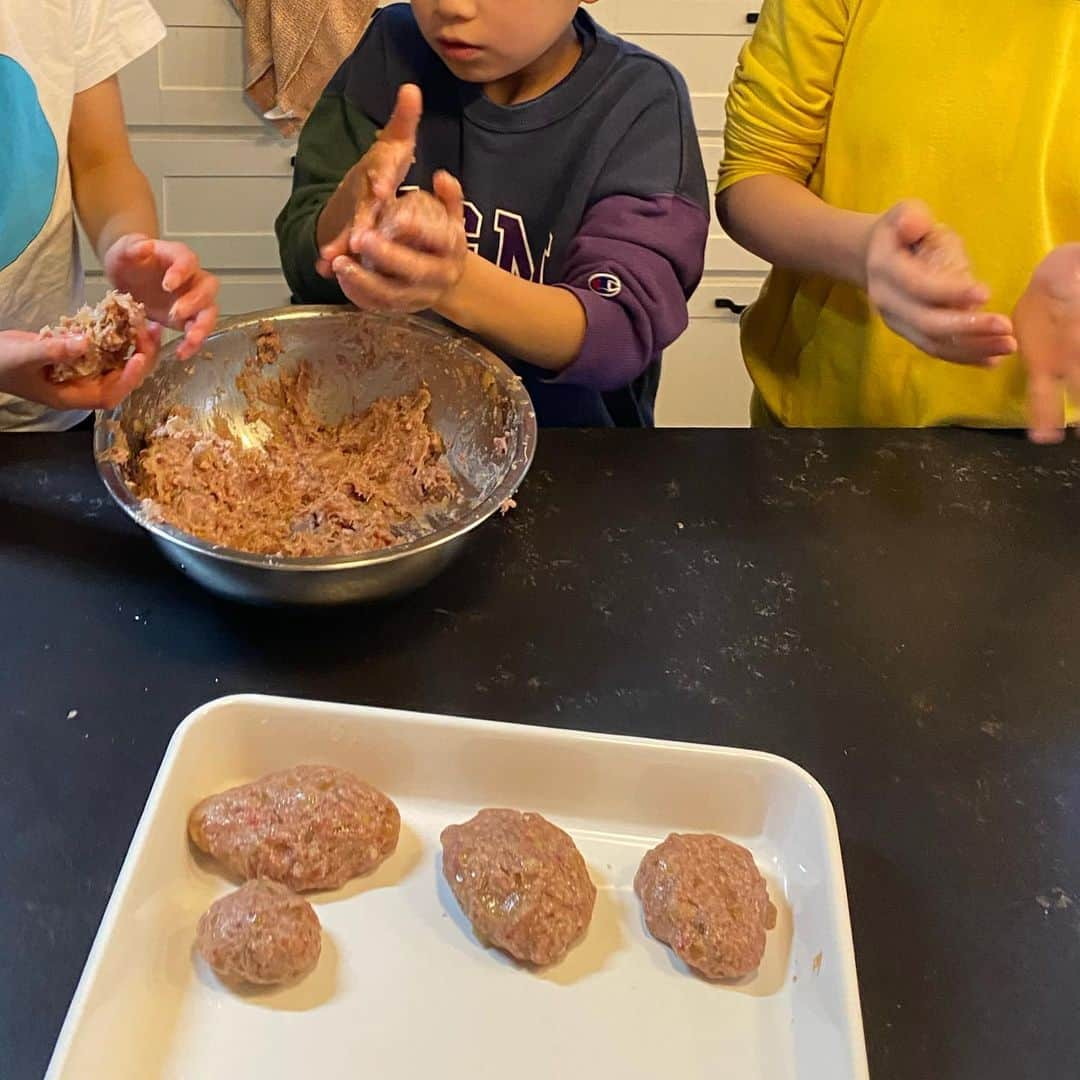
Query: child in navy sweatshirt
(571, 205)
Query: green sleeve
(333, 140)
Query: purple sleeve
(633, 265)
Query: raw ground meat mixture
(309, 827)
(312, 489)
(521, 881)
(262, 934)
(704, 896)
(111, 331)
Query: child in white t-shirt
(66, 152)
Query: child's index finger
(405, 119)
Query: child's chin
(471, 73)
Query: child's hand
(166, 278)
(371, 184)
(414, 256)
(1048, 327)
(25, 359)
(919, 279)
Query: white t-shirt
(50, 50)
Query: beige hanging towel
(292, 48)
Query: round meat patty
(263, 934)
(705, 897)
(521, 882)
(310, 827)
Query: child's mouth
(458, 50)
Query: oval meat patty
(263, 934)
(705, 897)
(521, 882)
(310, 827)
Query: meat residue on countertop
(311, 488)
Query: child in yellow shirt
(841, 115)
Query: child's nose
(456, 10)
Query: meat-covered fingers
(369, 186)
(195, 311)
(26, 359)
(383, 166)
(387, 163)
(21, 351)
(196, 332)
(388, 168)
(105, 392)
(197, 295)
(432, 223)
(397, 143)
(418, 221)
(449, 192)
(119, 385)
(372, 291)
(407, 265)
(375, 179)
(148, 343)
(56, 350)
(180, 261)
(405, 119)
(163, 275)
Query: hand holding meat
(371, 184)
(415, 254)
(29, 363)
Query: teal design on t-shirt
(28, 163)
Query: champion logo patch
(607, 285)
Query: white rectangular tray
(402, 989)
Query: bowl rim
(520, 462)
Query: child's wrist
(859, 273)
(452, 305)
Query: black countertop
(895, 612)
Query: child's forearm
(781, 221)
(540, 324)
(113, 199)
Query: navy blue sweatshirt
(597, 186)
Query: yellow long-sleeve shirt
(972, 106)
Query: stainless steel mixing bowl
(478, 405)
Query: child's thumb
(449, 192)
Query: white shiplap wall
(221, 175)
